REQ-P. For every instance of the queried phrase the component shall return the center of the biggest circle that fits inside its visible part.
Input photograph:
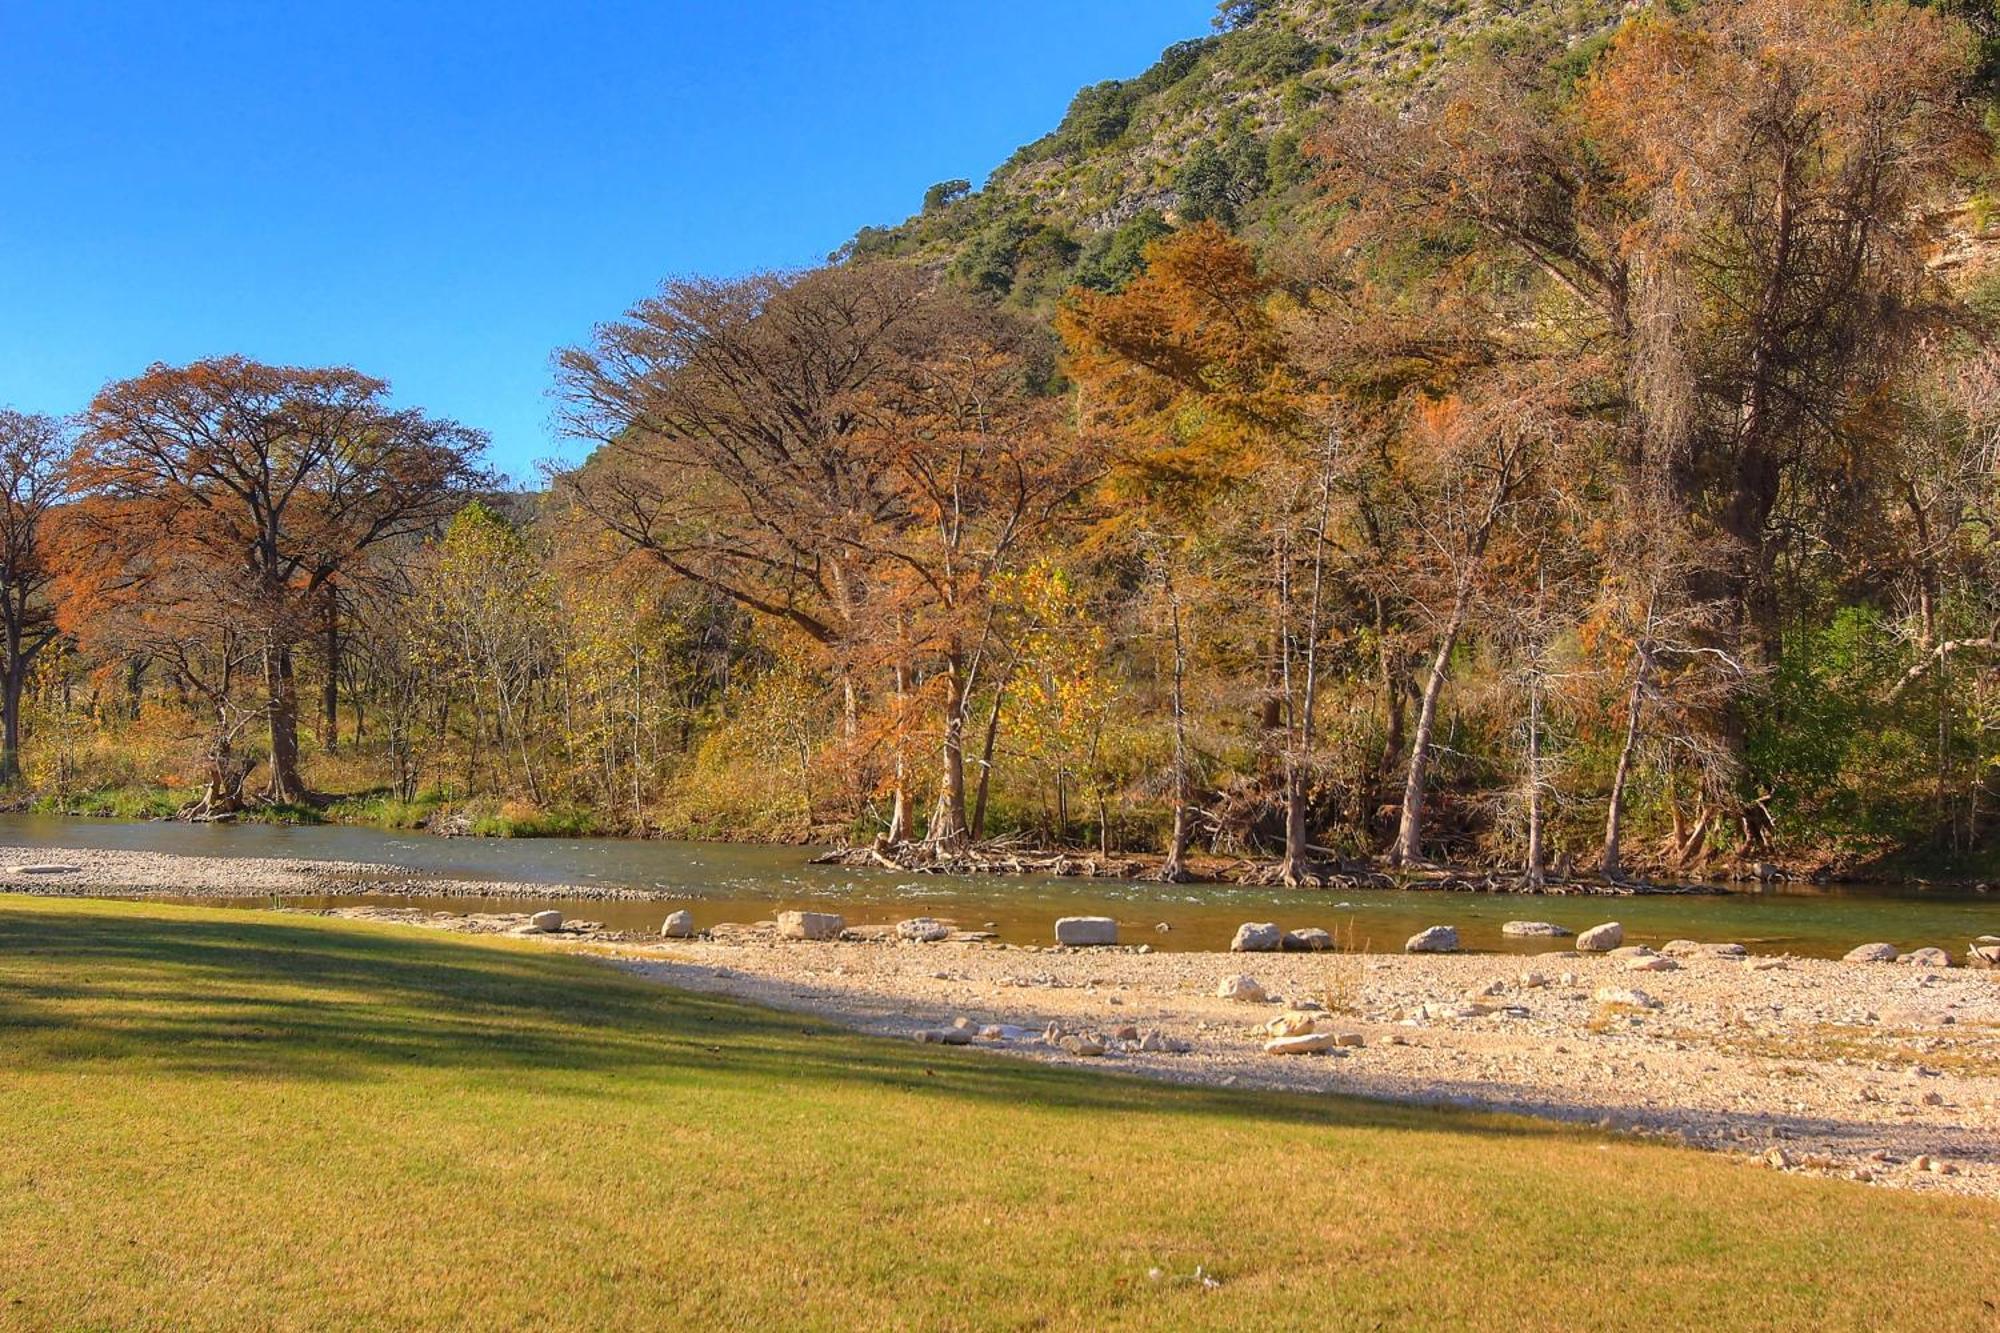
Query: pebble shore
(1880, 1072)
(1876, 1072)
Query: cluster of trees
(1606, 479)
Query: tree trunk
(282, 711)
(1296, 867)
(949, 828)
(13, 679)
(1533, 870)
(1611, 865)
(10, 720)
(1409, 845)
(899, 799)
(1174, 870)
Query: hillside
(1214, 129)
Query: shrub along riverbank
(238, 1118)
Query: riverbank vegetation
(1579, 458)
(246, 1118)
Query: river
(732, 882)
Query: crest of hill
(1216, 128)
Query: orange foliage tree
(223, 498)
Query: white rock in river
(1311, 1043)
(1533, 928)
(1086, 930)
(923, 929)
(1871, 953)
(1601, 939)
(678, 925)
(544, 922)
(1256, 937)
(1310, 940)
(1926, 957)
(1437, 939)
(1628, 996)
(1241, 987)
(810, 925)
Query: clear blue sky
(443, 193)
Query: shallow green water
(728, 882)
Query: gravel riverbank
(1881, 1073)
(93, 872)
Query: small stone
(1926, 957)
(1125, 1032)
(1871, 953)
(1979, 954)
(1627, 996)
(1493, 987)
(1653, 963)
(1533, 928)
(1310, 940)
(1256, 937)
(1086, 930)
(1153, 1041)
(1354, 1039)
(1778, 1159)
(1921, 1162)
(945, 1037)
(1436, 939)
(1241, 987)
(1727, 951)
(1082, 1043)
(678, 925)
(810, 925)
(1292, 1023)
(1310, 1043)
(1532, 981)
(544, 922)
(923, 930)
(1601, 939)
(1681, 948)
(1932, 1099)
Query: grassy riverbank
(230, 1119)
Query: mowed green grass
(242, 1119)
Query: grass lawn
(241, 1119)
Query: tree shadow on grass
(258, 996)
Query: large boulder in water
(1871, 953)
(1601, 939)
(1086, 930)
(1256, 937)
(1436, 939)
